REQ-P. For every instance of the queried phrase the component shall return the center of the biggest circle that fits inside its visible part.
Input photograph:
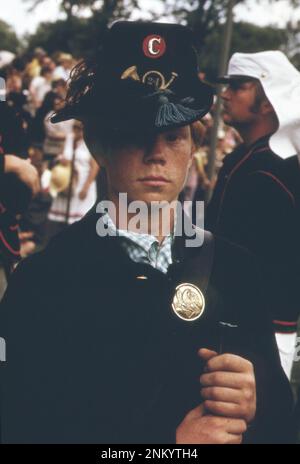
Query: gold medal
(188, 302)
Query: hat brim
(122, 111)
(232, 77)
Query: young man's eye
(172, 137)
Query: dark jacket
(256, 205)
(9, 240)
(96, 355)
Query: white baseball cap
(281, 83)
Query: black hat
(146, 78)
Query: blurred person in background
(77, 199)
(39, 87)
(47, 62)
(34, 220)
(34, 66)
(197, 181)
(18, 182)
(17, 99)
(55, 134)
(64, 68)
(58, 89)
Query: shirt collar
(142, 247)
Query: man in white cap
(255, 199)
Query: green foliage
(203, 16)
(246, 38)
(68, 36)
(8, 38)
(80, 36)
(108, 9)
(77, 35)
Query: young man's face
(153, 169)
(239, 98)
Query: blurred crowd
(36, 88)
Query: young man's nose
(225, 93)
(155, 152)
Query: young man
(115, 336)
(255, 202)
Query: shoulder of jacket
(269, 179)
(61, 253)
(229, 252)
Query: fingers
(230, 363)
(229, 394)
(226, 395)
(234, 439)
(229, 388)
(236, 426)
(206, 354)
(222, 379)
(224, 409)
(196, 413)
(209, 429)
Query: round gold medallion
(188, 302)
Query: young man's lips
(154, 179)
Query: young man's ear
(266, 107)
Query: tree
(106, 9)
(205, 16)
(69, 36)
(80, 36)
(292, 46)
(8, 38)
(246, 38)
(77, 35)
(202, 16)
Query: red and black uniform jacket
(256, 204)
(9, 240)
(14, 194)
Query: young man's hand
(229, 393)
(228, 386)
(198, 427)
(24, 170)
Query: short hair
(198, 132)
